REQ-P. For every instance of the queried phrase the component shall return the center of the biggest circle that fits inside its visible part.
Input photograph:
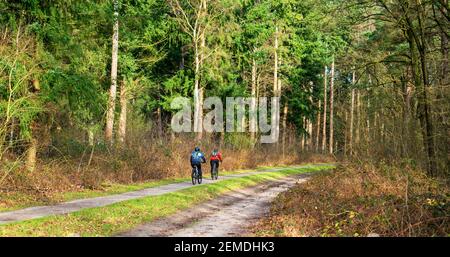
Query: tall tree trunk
(368, 138)
(442, 116)
(199, 58)
(444, 50)
(275, 65)
(310, 123)
(407, 93)
(113, 88)
(351, 114)
(383, 134)
(358, 118)
(276, 85)
(197, 104)
(285, 113)
(331, 107)
(422, 46)
(123, 113)
(318, 127)
(420, 74)
(428, 122)
(324, 132)
(279, 95)
(160, 123)
(200, 117)
(346, 132)
(254, 103)
(303, 134)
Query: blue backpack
(197, 157)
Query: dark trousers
(199, 167)
(214, 162)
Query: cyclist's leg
(217, 168)
(200, 170)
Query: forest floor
(115, 214)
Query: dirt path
(228, 215)
(76, 205)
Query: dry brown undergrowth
(356, 200)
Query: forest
(86, 89)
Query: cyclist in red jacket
(216, 156)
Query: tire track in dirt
(225, 216)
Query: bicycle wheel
(199, 178)
(194, 176)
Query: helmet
(197, 149)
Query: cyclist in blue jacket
(197, 158)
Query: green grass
(112, 219)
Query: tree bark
(285, 113)
(444, 50)
(254, 103)
(324, 132)
(310, 123)
(420, 75)
(442, 113)
(367, 125)
(331, 107)
(303, 134)
(358, 118)
(279, 95)
(123, 113)
(351, 114)
(276, 85)
(197, 105)
(346, 132)
(160, 124)
(275, 65)
(318, 127)
(113, 88)
(199, 58)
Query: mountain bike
(196, 176)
